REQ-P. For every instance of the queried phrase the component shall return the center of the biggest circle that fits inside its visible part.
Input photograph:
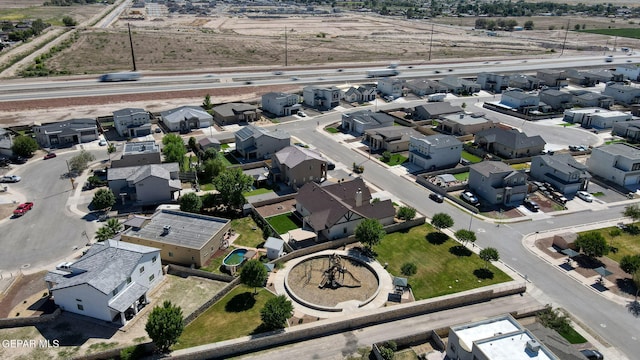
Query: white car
(11, 179)
(585, 196)
(102, 142)
(469, 197)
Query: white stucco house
(110, 282)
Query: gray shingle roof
(128, 111)
(521, 95)
(510, 138)
(231, 109)
(626, 150)
(292, 156)
(185, 112)
(564, 163)
(127, 172)
(255, 131)
(124, 299)
(104, 267)
(370, 117)
(440, 108)
(440, 141)
(69, 126)
(487, 168)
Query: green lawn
(626, 243)
(523, 166)
(440, 272)
(207, 187)
(470, 157)
(224, 146)
(248, 236)
(283, 222)
(628, 33)
(331, 130)
(257, 192)
(235, 315)
(572, 336)
(213, 265)
(462, 176)
(229, 160)
(396, 159)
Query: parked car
(559, 197)
(469, 197)
(436, 197)
(302, 114)
(585, 196)
(23, 208)
(531, 205)
(102, 142)
(19, 160)
(11, 178)
(592, 354)
(50, 156)
(331, 166)
(278, 73)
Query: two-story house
(359, 94)
(253, 142)
(595, 117)
(360, 121)
(146, 184)
(321, 98)
(233, 113)
(435, 151)
(509, 144)
(281, 104)
(110, 282)
(391, 138)
(464, 124)
(295, 166)
(334, 211)
(498, 183)
(74, 131)
(618, 163)
(629, 71)
(6, 142)
(584, 99)
(391, 87)
(186, 118)
(556, 99)
(495, 83)
(520, 101)
(132, 122)
(138, 154)
(623, 94)
(628, 129)
(555, 79)
(525, 82)
(562, 171)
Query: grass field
(49, 14)
(469, 156)
(628, 33)
(283, 222)
(440, 271)
(235, 315)
(396, 159)
(572, 336)
(626, 243)
(332, 130)
(462, 176)
(257, 191)
(213, 265)
(248, 236)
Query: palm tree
(104, 233)
(114, 226)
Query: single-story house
(360, 121)
(74, 131)
(233, 113)
(186, 118)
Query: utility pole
(565, 38)
(133, 57)
(286, 50)
(431, 42)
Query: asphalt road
(49, 232)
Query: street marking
(603, 325)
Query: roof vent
(166, 229)
(462, 116)
(533, 346)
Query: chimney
(166, 229)
(358, 198)
(461, 116)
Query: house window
(170, 254)
(129, 280)
(115, 292)
(151, 277)
(153, 259)
(141, 269)
(80, 307)
(344, 231)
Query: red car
(23, 208)
(50, 156)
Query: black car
(531, 205)
(436, 197)
(19, 160)
(592, 354)
(331, 166)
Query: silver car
(585, 196)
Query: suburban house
(391, 138)
(233, 113)
(435, 151)
(464, 124)
(552, 78)
(495, 83)
(275, 247)
(321, 98)
(556, 99)
(281, 104)
(146, 184)
(623, 94)
(110, 282)
(434, 110)
(498, 338)
(334, 211)
(6, 142)
(210, 143)
(509, 144)
(422, 87)
(295, 166)
(618, 163)
(498, 183)
(525, 82)
(138, 154)
(629, 71)
(629, 130)
(183, 238)
(132, 122)
(585, 98)
(595, 118)
(391, 87)
(589, 78)
(74, 131)
(459, 86)
(253, 142)
(562, 171)
(520, 101)
(360, 121)
(359, 94)
(186, 118)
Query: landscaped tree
(24, 146)
(632, 211)
(630, 264)
(230, 185)
(442, 221)
(408, 269)
(206, 104)
(193, 144)
(174, 149)
(465, 236)
(103, 199)
(113, 225)
(276, 312)
(190, 202)
(103, 233)
(369, 232)
(592, 244)
(81, 161)
(253, 274)
(165, 325)
(68, 21)
(211, 169)
(489, 254)
(406, 213)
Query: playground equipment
(336, 269)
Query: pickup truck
(23, 208)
